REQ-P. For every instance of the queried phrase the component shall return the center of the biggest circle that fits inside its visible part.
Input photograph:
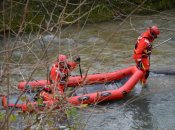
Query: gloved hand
(77, 60)
(139, 65)
(149, 53)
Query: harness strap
(146, 38)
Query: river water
(151, 107)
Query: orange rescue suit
(141, 52)
(58, 78)
(58, 74)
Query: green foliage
(2, 116)
(69, 19)
(166, 4)
(69, 88)
(77, 116)
(103, 8)
(29, 106)
(49, 123)
(34, 115)
(74, 126)
(23, 99)
(71, 112)
(40, 101)
(12, 118)
(35, 89)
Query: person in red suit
(142, 51)
(58, 76)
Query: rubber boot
(143, 81)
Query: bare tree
(25, 47)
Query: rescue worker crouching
(58, 76)
(142, 51)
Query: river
(151, 107)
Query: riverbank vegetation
(47, 13)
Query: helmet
(62, 58)
(154, 30)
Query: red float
(98, 96)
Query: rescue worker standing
(142, 51)
(58, 75)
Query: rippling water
(151, 107)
